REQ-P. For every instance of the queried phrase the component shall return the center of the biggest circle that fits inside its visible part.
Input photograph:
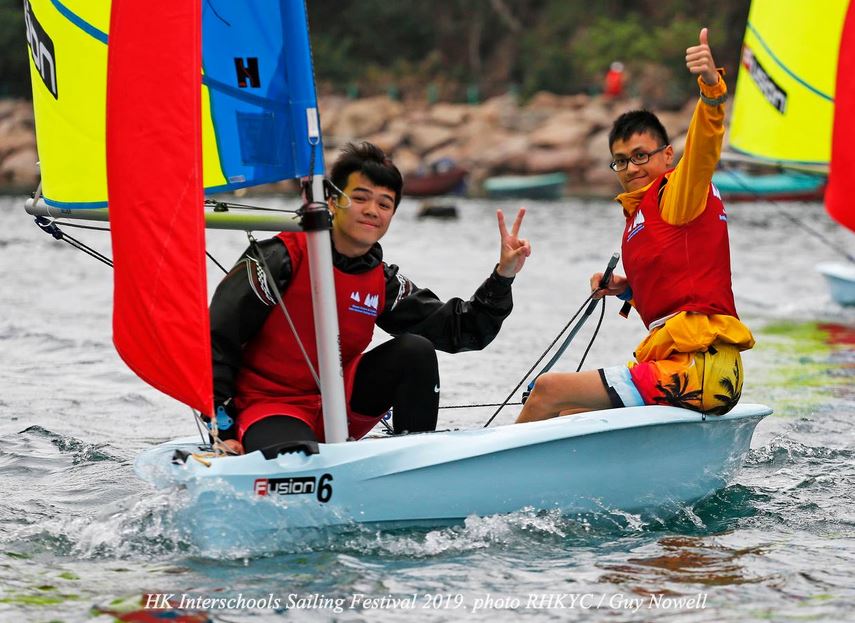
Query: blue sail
(257, 68)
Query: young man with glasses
(263, 388)
(676, 255)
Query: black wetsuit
(401, 374)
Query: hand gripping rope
(589, 305)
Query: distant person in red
(613, 87)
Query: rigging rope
(579, 367)
(220, 266)
(49, 226)
(269, 275)
(796, 221)
(539, 359)
(588, 306)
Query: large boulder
(499, 111)
(543, 100)
(388, 140)
(19, 170)
(675, 122)
(601, 180)
(564, 129)
(360, 118)
(597, 114)
(449, 114)
(597, 150)
(569, 159)
(407, 161)
(497, 151)
(16, 139)
(424, 138)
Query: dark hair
(372, 162)
(637, 122)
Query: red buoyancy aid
(674, 268)
(273, 368)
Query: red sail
(154, 179)
(841, 181)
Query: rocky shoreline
(18, 155)
(547, 134)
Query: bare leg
(565, 393)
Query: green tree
(14, 67)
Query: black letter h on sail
(247, 72)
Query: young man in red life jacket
(264, 392)
(676, 255)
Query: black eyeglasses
(619, 164)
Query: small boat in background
(437, 209)
(443, 177)
(841, 281)
(547, 186)
(786, 186)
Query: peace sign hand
(513, 249)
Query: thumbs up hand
(699, 59)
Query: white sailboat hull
(841, 281)
(629, 459)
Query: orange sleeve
(685, 193)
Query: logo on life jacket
(367, 305)
(637, 224)
(722, 216)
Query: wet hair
(637, 122)
(372, 162)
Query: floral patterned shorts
(709, 381)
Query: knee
(416, 348)
(546, 389)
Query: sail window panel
(261, 136)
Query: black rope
(501, 405)
(482, 404)
(271, 282)
(221, 267)
(92, 227)
(796, 221)
(50, 227)
(594, 336)
(536, 363)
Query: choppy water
(80, 536)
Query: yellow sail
(784, 101)
(68, 60)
